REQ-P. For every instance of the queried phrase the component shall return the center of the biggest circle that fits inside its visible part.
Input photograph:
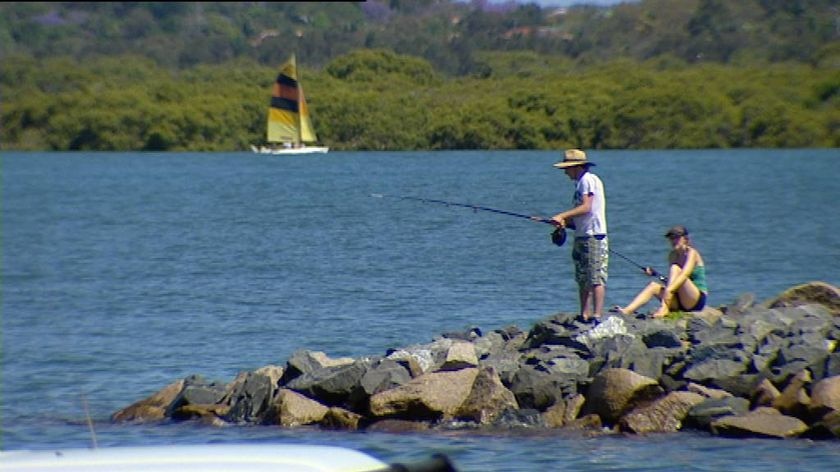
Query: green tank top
(698, 276)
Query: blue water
(122, 272)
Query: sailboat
(289, 127)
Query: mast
(300, 105)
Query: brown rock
(613, 392)
(460, 355)
(210, 414)
(398, 426)
(794, 399)
(825, 397)
(663, 415)
(431, 396)
(339, 418)
(765, 393)
(152, 408)
(762, 422)
(564, 412)
(290, 409)
(273, 372)
(487, 399)
(707, 392)
(586, 422)
(827, 428)
(811, 292)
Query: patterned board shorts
(591, 257)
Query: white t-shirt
(594, 222)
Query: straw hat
(573, 157)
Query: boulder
(826, 428)
(794, 399)
(304, 361)
(212, 414)
(338, 385)
(812, 292)
(197, 391)
(616, 391)
(663, 415)
(393, 425)
(421, 359)
(825, 397)
(487, 399)
(339, 418)
(290, 409)
(707, 392)
(765, 394)
(762, 422)
(707, 411)
(383, 375)
(273, 372)
(248, 397)
(564, 412)
(460, 355)
(152, 408)
(436, 395)
(541, 385)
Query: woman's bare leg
(652, 290)
(669, 300)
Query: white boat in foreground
(289, 127)
(208, 458)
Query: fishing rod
(652, 273)
(464, 205)
(557, 239)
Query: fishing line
(644, 269)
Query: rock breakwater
(747, 369)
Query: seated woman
(686, 289)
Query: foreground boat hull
(189, 458)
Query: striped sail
(288, 115)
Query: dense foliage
(196, 76)
(379, 100)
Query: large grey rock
(304, 361)
(249, 398)
(544, 384)
(383, 375)
(196, 391)
(334, 386)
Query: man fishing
(587, 217)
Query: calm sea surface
(122, 272)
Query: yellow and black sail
(288, 115)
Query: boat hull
(189, 458)
(290, 151)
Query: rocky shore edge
(747, 369)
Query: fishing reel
(558, 236)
